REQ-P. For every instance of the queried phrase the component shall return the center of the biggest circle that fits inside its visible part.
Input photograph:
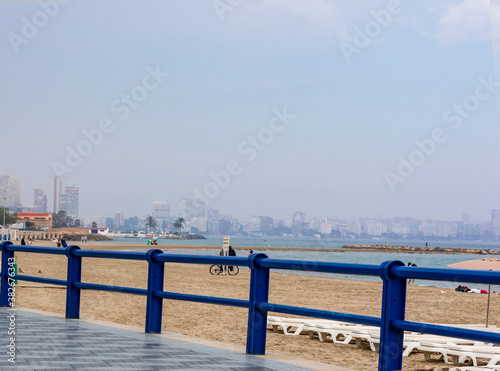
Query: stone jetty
(420, 250)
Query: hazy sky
(334, 108)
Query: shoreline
(113, 246)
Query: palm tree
(150, 223)
(179, 223)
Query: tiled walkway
(45, 342)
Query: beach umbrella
(491, 264)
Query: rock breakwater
(425, 250)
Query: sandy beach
(228, 324)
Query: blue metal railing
(394, 275)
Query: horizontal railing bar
(316, 266)
(428, 328)
(120, 289)
(447, 274)
(202, 259)
(107, 254)
(51, 281)
(202, 299)
(317, 313)
(36, 249)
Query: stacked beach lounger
(451, 350)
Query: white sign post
(225, 249)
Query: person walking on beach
(231, 253)
(63, 242)
(23, 242)
(58, 243)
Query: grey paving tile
(51, 343)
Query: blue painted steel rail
(394, 275)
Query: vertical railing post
(7, 282)
(154, 306)
(393, 308)
(74, 275)
(257, 318)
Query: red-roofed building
(39, 219)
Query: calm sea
(422, 260)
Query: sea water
(340, 256)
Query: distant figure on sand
(251, 252)
(231, 253)
(63, 242)
(85, 238)
(23, 242)
(58, 243)
(411, 281)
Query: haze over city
(358, 109)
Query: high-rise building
(262, 224)
(57, 193)
(10, 192)
(40, 201)
(298, 220)
(191, 208)
(495, 224)
(68, 201)
(161, 213)
(119, 220)
(213, 217)
(132, 223)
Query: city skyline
(200, 220)
(186, 208)
(360, 109)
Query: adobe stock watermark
(364, 36)
(454, 116)
(122, 107)
(223, 6)
(11, 315)
(250, 149)
(31, 26)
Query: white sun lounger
(460, 353)
(293, 326)
(340, 333)
(429, 349)
(474, 368)
(368, 333)
(413, 341)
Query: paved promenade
(50, 342)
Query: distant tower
(10, 192)
(161, 213)
(68, 201)
(119, 220)
(298, 220)
(57, 193)
(40, 201)
(191, 208)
